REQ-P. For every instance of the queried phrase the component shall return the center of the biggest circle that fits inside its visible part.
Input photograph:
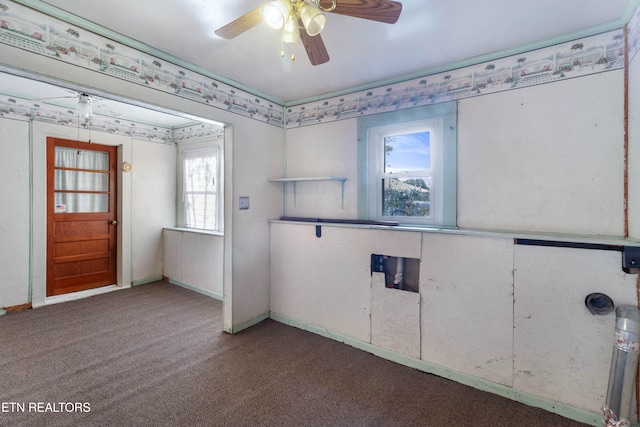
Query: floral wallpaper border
(42, 34)
(582, 57)
(21, 109)
(633, 35)
(37, 32)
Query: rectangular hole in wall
(399, 273)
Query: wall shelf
(295, 181)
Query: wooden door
(81, 216)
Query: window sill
(195, 230)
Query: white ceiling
(429, 35)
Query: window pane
(81, 181)
(406, 196)
(199, 174)
(200, 189)
(81, 159)
(200, 211)
(407, 152)
(81, 202)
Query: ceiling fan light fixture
(290, 31)
(84, 106)
(275, 13)
(312, 19)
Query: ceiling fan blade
(52, 98)
(386, 11)
(315, 47)
(240, 25)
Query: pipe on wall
(624, 365)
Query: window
(201, 199)
(410, 166)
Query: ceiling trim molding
(617, 24)
(629, 10)
(32, 30)
(573, 59)
(70, 18)
(469, 62)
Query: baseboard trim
(561, 409)
(79, 295)
(194, 288)
(249, 323)
(14, 308)
(147, 280)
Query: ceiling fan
(84, 104)
(303, 20)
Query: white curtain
(201, 188)
(84, 182)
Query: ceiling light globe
(84, 107)
(275, 13)
(290, 32)
(312, 19)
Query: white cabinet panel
(562, 351)
(326, 281)
(466, 285)
(395, 318)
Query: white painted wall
(634, 147)
(326, 281)
(466, 283)
(125, 258)
(195, 260)
(14, 218)
(323, 150)
(153, 202)
(506, 313)
(257, 156)
(547, 158)
(561, 351)
(253, 153)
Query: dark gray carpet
(154, 355)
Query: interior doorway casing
(39, 134)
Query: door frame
(109, 217)
(40, 132)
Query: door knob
(114, 222)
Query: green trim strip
(147, 280)
(249, 323)
(2, 312)
(30, 290)
(629, 10)
(196, 289)
(562, 409)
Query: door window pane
(81, 159)
(81, 202)
(81, 181)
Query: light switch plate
(244, 203)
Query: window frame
(376, 169)
(185, 151)
(443, 199)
